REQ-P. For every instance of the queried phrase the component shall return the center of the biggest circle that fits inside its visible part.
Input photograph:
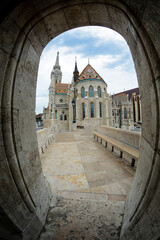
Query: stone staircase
(83, 216)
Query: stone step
(90, 196)
(83, 219)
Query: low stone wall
(89, 124)
(129, 137)
(44, 137)
(47, 134)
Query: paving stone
(83, 219)
(89, 187)
(71, 165)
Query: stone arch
(24, 33)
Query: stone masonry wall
(24, 32)
(44, 137)
(128, 137)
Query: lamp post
(74, 110)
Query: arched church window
(125, 113)
(83, 110)
(83, 92)
(61, 117)
(55, 114)
(61, 100)
(90, 91)
(65, 117)
(99, 91)
(92, 109)
(100, 109)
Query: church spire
(56, 74)
(76, 72)
(57, 62)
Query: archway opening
(92, 172)
(21, 161)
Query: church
(84, 103)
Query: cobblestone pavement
(89, 186)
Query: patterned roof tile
(62, 87)
(89, 73)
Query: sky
(108, 54)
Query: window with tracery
(92, 109)
(99, 91)
(125, 113)
(100, 109)
(91, 91)
(83, 92)
(83, 110)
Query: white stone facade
(83, 104)
(126, 109)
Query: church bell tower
(56, 74)
(56, 77)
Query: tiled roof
(89, 73)
(62, 87)
(128, 92)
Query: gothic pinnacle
(57, 62)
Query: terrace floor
(89, 186)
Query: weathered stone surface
(138, 22)
(128, 137)
(83, 219)
(71, 165)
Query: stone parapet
(44, 137)
(129, 137)
(47, 134)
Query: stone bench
(128, 153)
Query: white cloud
(101, 34)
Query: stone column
(96, 114)
(95, 93)
(134, 111)
(104, 103)
(138, 109)
(86, 108)
(77, 110)
(70, 114)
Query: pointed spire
(76, 72)
(88, 60)
(56, 74)
(57, 62)
(76, 68)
